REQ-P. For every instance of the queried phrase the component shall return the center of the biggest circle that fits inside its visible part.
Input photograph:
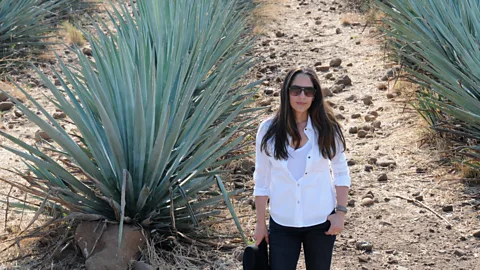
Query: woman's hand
(337, 222)
(261, 232)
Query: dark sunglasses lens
(309, 92)
(295, 91)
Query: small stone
(5, 105)
(459, 252)
(358, 42)
(369, 118)
(344, 79)
(87, 51)
(279, 34)
(41, 135)
(349, 65)
(57, 82)
(353, 130)
(266, 102)
(351, 98)
(59, 115)
(374, 113)
(382, 86)
(382, 177)
(363, 245)
(138, 265)
(385, 163)
(447, 208)
(308, 40)
(335, 62)
(318, 64)
(368, 168)
(318, 22)
(338, 31)
(476, 233)
(328, 76)
(362, 133)
(356, 115)
(363, 259)
(367, 201)
(322, 68)
(390, 96)
(351, 203)
(340, 116)
(392, 260)
(419, 198)
(276, 93)
(377, 124)
(337, 88)
(341, 108)
(367, 101)
(268, 91)
(327, 92)
(18, 113)
(372, 160)
(351, 162)
(3, 96)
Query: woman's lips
(301, 103)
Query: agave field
(437, 42)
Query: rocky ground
(407, 208)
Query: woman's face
(303, 101)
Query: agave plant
(438, 43)
(25, 23)
(156, 108)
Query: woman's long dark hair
(283, 123)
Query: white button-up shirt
(309, 200)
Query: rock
(335, 62)
(368, 168)
(322, 68)
(476, 233)
(279, 34)
(385, 163)
(367, 201)
(57, 82)
(366, 128)
(356, 115)
(337, 88)
(363, 258)
(318, 64)
(248, 165)
(3, 96)
(327, 92)
(339, 116)
(382, 177)
(392, 260)
(308, 40)
(369, 118)
(138, 265)
(353, 130)
(447, 208)
(87, 51)
(384, 78)
(367, 101)
(351, 203)
(329, 76)
(362, 133)
(344, 79)
(266, 102)
(459, 252)
(372, 160)
(338, 31)
(390, 96)
(318, 22)
(41, 135)
(419, 198)
(5, 106)
(18, 113)
(349, 65)
(382, 86)
(374, 113)
(364, 245)
(377, 124)
(268, 91)
(351, 98)
(107, 255)
(351, 162)
(276, 93)
(59, 115)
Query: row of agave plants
(438, 42)
(158, 109)
(25, 25)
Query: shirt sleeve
(340, 170)
(261, 176)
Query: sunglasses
(295, 90)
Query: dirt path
(400, 234)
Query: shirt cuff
(342, 181)
(261, 191)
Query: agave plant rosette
(438, 42)
(156, 108)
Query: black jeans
(285, 243)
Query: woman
(295, 151)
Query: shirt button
(298, 185)
(308, 156)
(305, 128)
(305, 172)
(298, 201)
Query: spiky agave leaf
(156, 108)
(438, 43)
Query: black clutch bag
(256, 258)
